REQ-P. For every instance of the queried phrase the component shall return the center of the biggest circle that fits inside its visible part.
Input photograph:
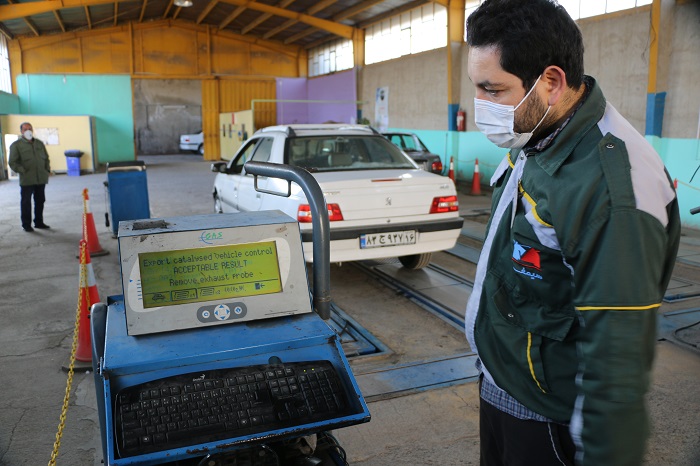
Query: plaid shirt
(490, 392)
(502, 401)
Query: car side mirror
(218, 167)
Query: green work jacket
(563, 312)
(31, 161)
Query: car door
(228, 190)
(248, 198)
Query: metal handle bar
(319, 222)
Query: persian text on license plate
(393, 238)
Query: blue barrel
(73, 161)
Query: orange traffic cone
(89, 231)
(87, 297)
(451, 172)
(476, 180)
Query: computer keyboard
(202, 407)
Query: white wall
(616, 54)
(417, 90)
(683, 98)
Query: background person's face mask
(28, 135)
(496, 122)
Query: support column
(211, 107)
(659, 55)
(455, 39)
(455, 44)
(358, 51)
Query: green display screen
(209, 274)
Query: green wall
(105, 97)
(464, 148)
(682, 160)
(9, 103)
(681, 157)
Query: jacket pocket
(534, 327)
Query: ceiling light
(183, 3)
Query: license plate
(393, 238)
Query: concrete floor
(435, 427)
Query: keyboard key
(203, 407)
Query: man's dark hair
(531, 35)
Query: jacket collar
(580, 124)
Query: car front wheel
(200, 149)
(218, 207)
(416, 261)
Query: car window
(410, 143)
(243, 156)
(336, 153)
(421, 145)
(396, 139)
(263, 151)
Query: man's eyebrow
(488, 84)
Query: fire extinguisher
(461, 120)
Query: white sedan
(193, 142)
(380, 204)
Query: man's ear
(555, 78)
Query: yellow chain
(69, 383)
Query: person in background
(579, 249)
(29, 159)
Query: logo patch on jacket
(527, 258)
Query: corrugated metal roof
(286, 21)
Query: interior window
(336, 152)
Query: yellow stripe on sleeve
(617, 308)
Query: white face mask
(496, 122)
(28, 135)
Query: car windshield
(336, 153)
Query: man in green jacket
(28, 158)
(579, 249)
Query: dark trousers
(36, 190)
(509, 441)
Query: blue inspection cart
(123, 361)
(128, 361)
(127, 185)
